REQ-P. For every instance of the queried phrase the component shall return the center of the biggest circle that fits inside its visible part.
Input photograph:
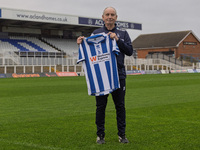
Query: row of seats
(33, 44)
(23, 45)
(6, 46)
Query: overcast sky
(156, 16)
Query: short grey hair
(109, 7)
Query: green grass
(56, 113)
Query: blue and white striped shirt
(98, 56)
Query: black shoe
(123, 139)
(100, 140)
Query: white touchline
(30, 145)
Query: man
(124, 43)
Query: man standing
(124, 43)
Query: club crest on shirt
(98, 48)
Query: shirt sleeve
(125, 46)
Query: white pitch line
(30, 145)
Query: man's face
(109, 16)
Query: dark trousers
(101, 103)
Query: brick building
(170, 43)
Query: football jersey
(98, 56)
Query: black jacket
(124, 44)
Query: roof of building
(160, 40)
(19, 18)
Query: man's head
(109, 16)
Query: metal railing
(168, 58)
(193, 58)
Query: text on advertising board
(99, 22)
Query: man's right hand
(80, 39)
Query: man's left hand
(113, 36)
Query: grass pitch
(57, 114)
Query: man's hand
(113, 36)
(79, 39)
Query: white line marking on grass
(30, 145)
